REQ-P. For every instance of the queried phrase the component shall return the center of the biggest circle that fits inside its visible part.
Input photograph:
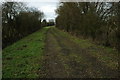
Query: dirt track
(64, 58)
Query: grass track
(64, 56)
(71, 57)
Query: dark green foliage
(18, 21)
(95, 20)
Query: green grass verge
(22, 59)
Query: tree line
(98, 21)
(18, 21)
(48, 23)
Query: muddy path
(65, 59)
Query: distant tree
(51, 22)
(44, 23)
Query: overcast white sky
(47, 7)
